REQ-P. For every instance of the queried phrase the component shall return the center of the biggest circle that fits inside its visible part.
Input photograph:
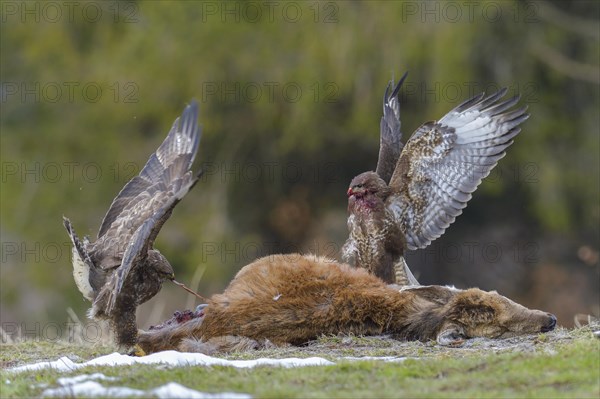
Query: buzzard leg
(124, 326)
(403, 274)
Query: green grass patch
(560, 364)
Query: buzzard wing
(390, 144)
(143, 239)
(443, 163)
(165, 173)
(82, 263)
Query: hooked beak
(350, 192)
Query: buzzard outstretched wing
(390, 144)
(166, 173)
(142, 240)
(443, 162)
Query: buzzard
(121, 269)
(420, 188)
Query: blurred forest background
(290, 96)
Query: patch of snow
(178, 359)
(62, 364)
(40, 385)
(287, 363)
(173, 359)
(392, 359)
(84, 377)
(174, 390)
(83, 386)
(91, 389)
(170, 390)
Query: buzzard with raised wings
(121, 269)
(420, 188)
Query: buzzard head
(367, 192)
(160, 265)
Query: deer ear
(451, 336)
(474, 314)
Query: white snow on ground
(91, 388)
(392, 359)
(84, 377)
(83, 386)
(174, 390)
(86, 385)
(171, 358)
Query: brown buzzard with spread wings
(121, 269)
(418, 190)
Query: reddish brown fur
(292, 299)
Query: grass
(560, 364)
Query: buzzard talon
(136, 351)
(419, 188)
(121, 269)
